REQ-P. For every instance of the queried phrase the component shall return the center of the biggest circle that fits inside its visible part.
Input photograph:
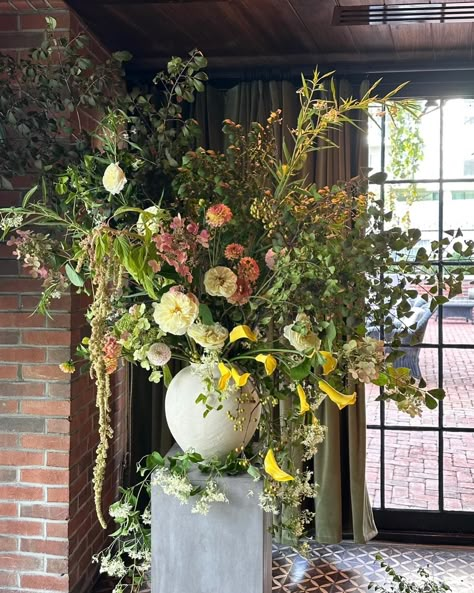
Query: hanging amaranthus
(107, 276)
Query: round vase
(213, 435)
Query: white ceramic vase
(213, 435)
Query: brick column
(48, 420)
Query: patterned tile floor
(411, 458)
(349, 568)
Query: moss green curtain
(342, 504)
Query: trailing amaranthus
(106, 279)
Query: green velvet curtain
(342, 505)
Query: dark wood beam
(382, 62)
(132, 3)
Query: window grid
(440, 346)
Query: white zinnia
(114, 179)
(211, 337)
(175, 313)
(299, 341)
(220, 281)
(159, 354)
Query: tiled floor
(411, 466)
(348, 568)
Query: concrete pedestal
(227, 551)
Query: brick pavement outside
(411, 458)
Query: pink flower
(112, 350)
(270, 259)
(154, 265)
(234, 251)
(111, 347)
(248, 269)
(203, 238)
(193, 228)
(218, 215)
(178, 223)
(242, 294)
(177, 288)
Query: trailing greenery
(401, 584)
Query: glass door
(420, 471)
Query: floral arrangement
(232, 263)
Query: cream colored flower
(175, 313)
(114, 179)
(220, 281)
(211, 337)
(305, 339)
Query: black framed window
(426, 465)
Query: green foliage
(400, 584)
(406, 149)
(44, 99)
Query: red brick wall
(48, 420)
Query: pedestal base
(227, 551)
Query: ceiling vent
(404, 14)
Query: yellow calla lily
(304, 406)
(340, 399)
(240, 380)
(330, 362)
(242, 332)
(273, 470)
(226, 374)
(269, 361)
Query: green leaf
(73, 276)
(28, 195)
(122, 56)
(173, 162)
(51, 23)
(205, 314)
(167, 376)
(301, 371)
(378, 178)
(253, 471)
(431, 402)
(5, 183)
(381, 380)
(437, 393)
(154, 460)
(330, 334)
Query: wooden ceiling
(269, 33)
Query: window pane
(458, 471)
(458, 208)
(411, 470)
(422, 361)
(373, 466)
(372, 407)
(458, 379)
(413, 143)
(458, 325)
(415, 206)
(458, 138)
(374, 139)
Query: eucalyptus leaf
(75, 278)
